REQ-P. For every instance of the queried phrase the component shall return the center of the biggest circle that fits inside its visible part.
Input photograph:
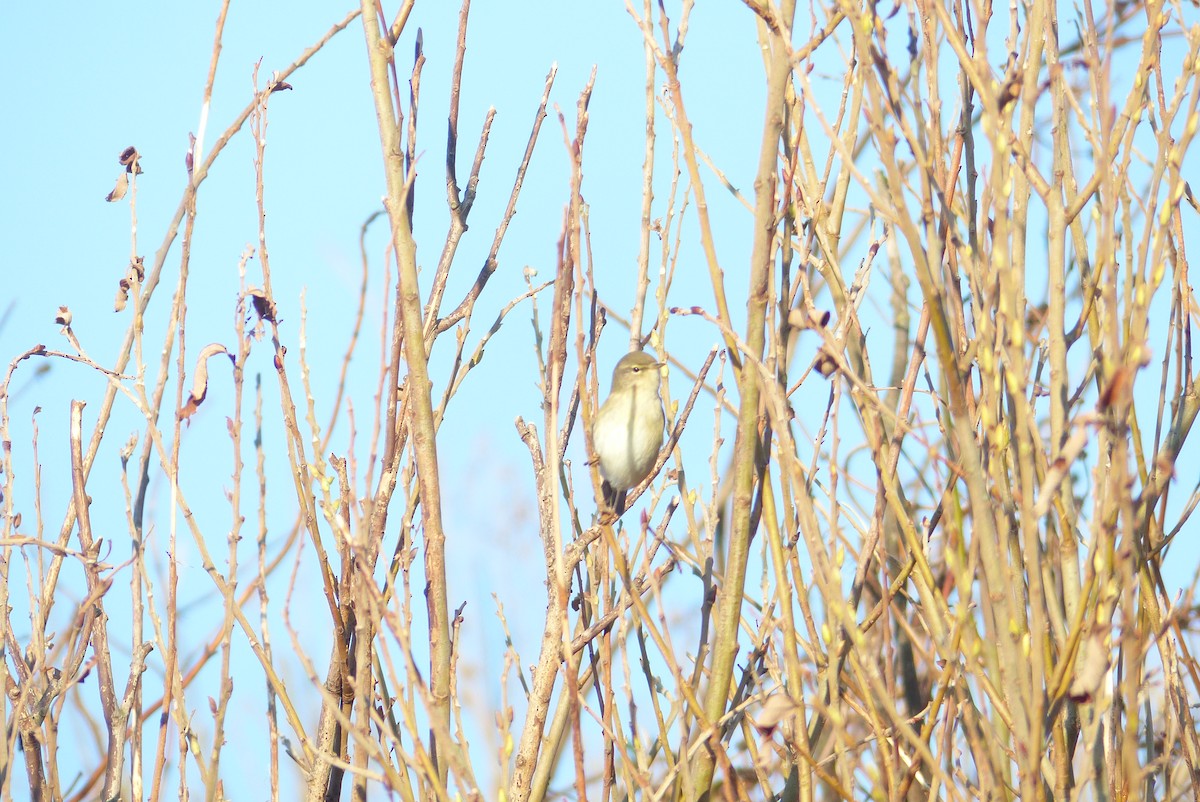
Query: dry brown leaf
(189, 158)
(1191, 199)
(810, 318)
(264, 307)
(134, 275)
(122, 295)
(200, 379)
(778, 708)
(63, 318)
(825, 364)
(1119, 391)
(119, 190)
(1090, 668)
(130, 160)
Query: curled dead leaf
(264, 307)
(810, 318)
(190, 157)
(134, 275)
(1090, 668)
(1187, 189)
(63, 318)
(277, 85)
(119, 190)
(1011, 89)
(1119, 391)
(825, 364)
(778, 708)
(130, 160)
(200, 379)
(122, 295)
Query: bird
(628, 430)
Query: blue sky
(83, 88)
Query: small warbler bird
(628, 430)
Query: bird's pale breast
(627, 445)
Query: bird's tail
(613, 499)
